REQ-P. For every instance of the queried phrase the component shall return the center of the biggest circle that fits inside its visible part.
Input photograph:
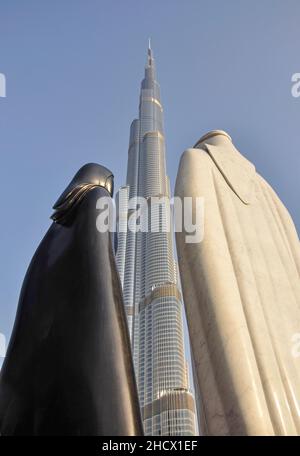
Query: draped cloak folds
(242, 295)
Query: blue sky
(73, 70)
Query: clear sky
(73, 70)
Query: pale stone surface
(242, 295)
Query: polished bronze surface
(88, 177)
(68, 369)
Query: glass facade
(148, 274)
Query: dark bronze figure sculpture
(68, 369)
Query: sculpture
(68, 369)
(242, 295)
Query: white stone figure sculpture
(242, 295)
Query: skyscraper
(148, 274)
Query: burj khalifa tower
(148, 272)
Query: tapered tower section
(149, 274)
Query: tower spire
(150, 58)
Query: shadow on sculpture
(68, 369)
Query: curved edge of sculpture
(211, 134)
(88, 177)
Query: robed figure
(242, 295)
(68, 369)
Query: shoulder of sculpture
(193, 155)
